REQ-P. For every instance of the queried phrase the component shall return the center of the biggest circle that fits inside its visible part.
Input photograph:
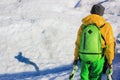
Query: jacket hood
(93, 18)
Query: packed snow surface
(37, 37)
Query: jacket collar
(93, 18)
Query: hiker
(91, 51)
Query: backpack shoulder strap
(102, 25)
(101, 33)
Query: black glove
(75, 62)
(109, 70)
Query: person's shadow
(25, 60)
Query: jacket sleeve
(77, 43)
(110, 44)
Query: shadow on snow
(57, 70)
(116, 67)
(26, 60)
(31, 74)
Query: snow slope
(44, 31)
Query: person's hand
(74, 71)
(109, 70)
(75, 62)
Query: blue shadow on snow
(25, 60)
(30, 74)
(57, 70)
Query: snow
(44, 31)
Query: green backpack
(90, 43)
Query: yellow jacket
(106, 32)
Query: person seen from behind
(91, 52)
